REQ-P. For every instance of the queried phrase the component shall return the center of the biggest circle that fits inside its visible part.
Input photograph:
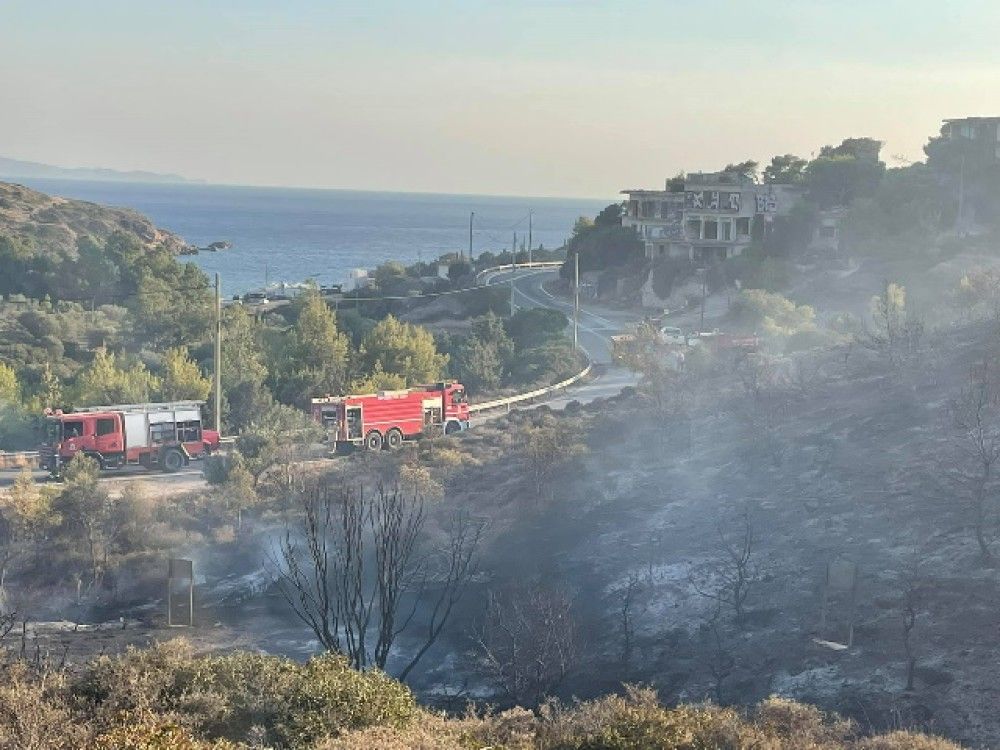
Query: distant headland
(14, 168)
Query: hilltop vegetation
(53, 226)
(168, 698)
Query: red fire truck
(387, 418)
(165, 436)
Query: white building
(716, 217)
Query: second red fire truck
(387, 418)
(164, 436)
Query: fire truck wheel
(173, 460)
(451, 428)
(373, 440)
(393, 439)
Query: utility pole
(218, 355)
(530, 213)
(472, 216)
(576, 300)
(513, 251)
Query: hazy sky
(510, 97)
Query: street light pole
(472, 215)
(530, 213)
(576, 300)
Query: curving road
(597, 326)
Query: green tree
(244, 371)
(238, 492)
(172, 303)
(315, 353)
(10, 390)
(483, 359)
(50, 392)
(533, 326)
(610, 216)
(278, 436)
(747, 169)
(105, 382)
(377, 380)
(841, 174)
(83, 506)
(402, 349)
(26, 513)
(786, 169)
(182, 378)
(602, 245)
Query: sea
(292, 235)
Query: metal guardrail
(510, 400)
(18, 459)
(514, 267)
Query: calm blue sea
(293, 234)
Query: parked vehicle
(387, 418)
(717, 340)
(163, 435)
(673, 336)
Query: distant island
(17, 168)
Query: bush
(772, 313)
(166, 698)
(228, 697)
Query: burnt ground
(854, 463)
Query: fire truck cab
(387, 418)
(164, 435)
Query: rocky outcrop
(61, 222)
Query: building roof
(994, 118)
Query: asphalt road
(186, 479)
(597, 325)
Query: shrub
(774, 314)
(230, 696)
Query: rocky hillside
(58, 222)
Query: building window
(743, 226)
(648, 209)
(694, 229)
(663, 250)
(725, 230)
(711, 230)
(828, 232)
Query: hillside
(58, 223)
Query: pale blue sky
(529, 98)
